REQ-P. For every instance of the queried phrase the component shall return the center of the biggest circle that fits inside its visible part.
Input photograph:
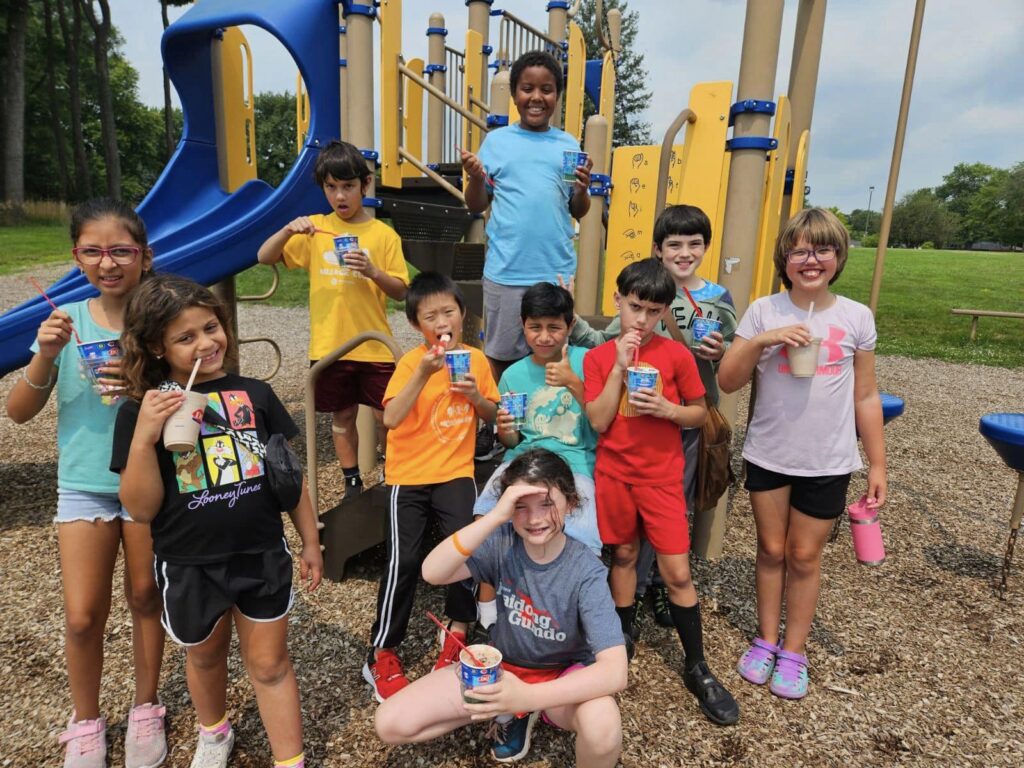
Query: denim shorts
(73, 506)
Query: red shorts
(622, 509)
(346, 383)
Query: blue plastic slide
(195, 228)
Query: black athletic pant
(409, 511)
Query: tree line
(976, 205)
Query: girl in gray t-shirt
(557, 626)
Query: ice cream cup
(641, 378)
(472, 675)
(344, 244)
(181, 430)
(94, 355)
(457, 361)
(803, 361)
(701, 327)
(571, 160)
(515, 404)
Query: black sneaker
(479, 635)
(510, 741)
(716, 703)
(353, 486)
(638, 616)
(486, 446)
(630, 646)
(659, 605)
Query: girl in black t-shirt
(217, 533)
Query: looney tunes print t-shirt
(217, 501)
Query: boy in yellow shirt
(349, 286)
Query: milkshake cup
(181, 430)
(803, 361)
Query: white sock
(487, 612)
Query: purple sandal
(755, 666)
(789, 680)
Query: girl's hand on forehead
(54, 333)
(506, 505)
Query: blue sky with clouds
(968, 102)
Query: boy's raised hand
(471, 165)
(303, 225)
(560, 374)
(433, 361)
(582, 184)
(570, 286)
(625, 348)
(54, 332)
(155, 409)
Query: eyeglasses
(123, 255)
(800, 256)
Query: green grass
(918, 290)
(920, 287)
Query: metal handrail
(270, 291)
(444, 98)
(686, 116)
(310, 401)
(277, 351)
(515, 20)
(431, 173)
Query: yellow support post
(796, 201)
(607, 106)
(574, 82)
(301, 113)
(412, 120)
(234, 109)
(771, 203)
(390, 16)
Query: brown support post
(480, 21)
(897, 156)
(803, 81)
(759, 60)
(558, 20)
(225, 291)
(595, 142)
(436, 77)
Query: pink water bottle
(866, 532)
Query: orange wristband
(458, 546)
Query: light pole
(867, 220)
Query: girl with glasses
(801, 443)
(111, 249)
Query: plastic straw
(50, 302)
(810, 311)
(458, 642)
(636, 357)
(195, 370)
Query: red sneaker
(450, 650)
(385, 675)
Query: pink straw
(50, 302)
(458, 642)
(636, 357)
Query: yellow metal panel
(574, 82)
(412, 128)
(796, 201)
(390, 16)
(471, 84)
(301, 113)
(513, 111)
(699, 175)
(630, 215)
(607, 106)
(234, 109)
(771, 207)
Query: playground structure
(208, 212)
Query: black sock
(687, 623)
(352, 475)
(626, 617)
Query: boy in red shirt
(639, 473)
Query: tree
(998, 207)
(631, 93)
(72, 36)
(101, 43)
(275, 135)
(14, 102)
(921, 217)
(843, 218)
(958, 190)
(56, 122)
(169, 133)
(864, 222)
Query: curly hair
(540, 466)
(151, 308)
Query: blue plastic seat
(892, 407)
(1005, 433)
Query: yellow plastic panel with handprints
(771, 207)
(234, 109)
(412, 120)
(630, 215)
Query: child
(429, 468)
(345, 299)
(801, 443)
(639, 468)
(682, 235)
(217, 533)
(519, 175)
(547, 580)
(552, 379)
(112, 250)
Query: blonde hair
(152, 307)
(818, 227)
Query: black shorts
(345, 383)
(823, 497)
(196, 597)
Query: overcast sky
(968, 102)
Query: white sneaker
(212, 750)
(86, 743)
(145, 745)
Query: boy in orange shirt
(429, 468)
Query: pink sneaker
(145, 745)
(86, 743)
